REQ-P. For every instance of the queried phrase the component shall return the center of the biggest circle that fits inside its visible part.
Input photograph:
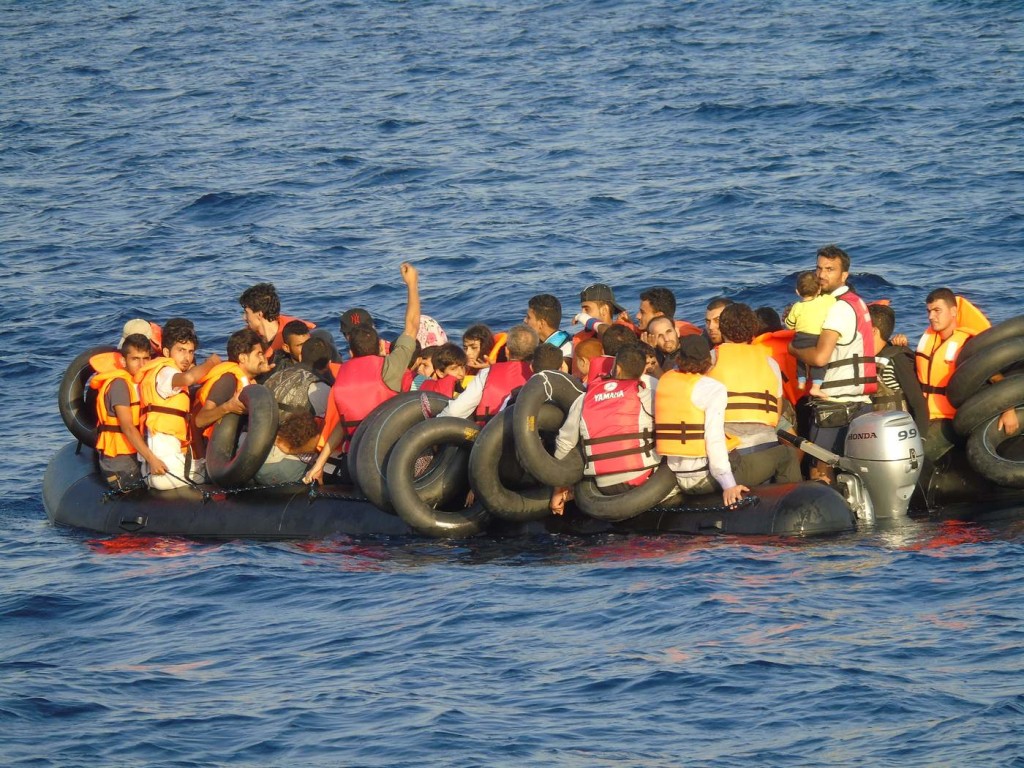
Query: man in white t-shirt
(845, 351)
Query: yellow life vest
(750, 381)
(169, 415)
(110, 440)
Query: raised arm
(412, 309)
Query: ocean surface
(156, 158)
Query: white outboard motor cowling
(881, 463)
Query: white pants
(168, 449)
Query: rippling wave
(158, 160)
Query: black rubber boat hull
(74, 495)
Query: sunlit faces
(599, 309)
(425, 366)
(293, 346)
(472, 349)
(458, 370)
(134, 359)
(645, 315)
(711, 325)
(830, 274)
(530, 320)
(942, 317)
(663, 334)
(183, 353)
(253, 319)
(254, 362)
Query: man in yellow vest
(218, 394)
(119, 443)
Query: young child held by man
(806, 318)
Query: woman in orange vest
(118, 439)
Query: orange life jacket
(498, 352)
(282, 320)
(206, 385)
(684, 328)
(936, 357)
(110, 440)
(170, 415)
(750, 381)
(678, 423)
(777, 344)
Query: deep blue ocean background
(157, 158)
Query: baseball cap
(138, 325)
(693, 347)
(354, 317)
(600, 292)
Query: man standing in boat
(846, 350)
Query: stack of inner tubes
(995, 353)
(511, 469)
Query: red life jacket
(863, 376)
(445, 386)
(502, 378)
(619, 432)
(358, 389)
(600, 366)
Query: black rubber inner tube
(229, 464)
(972, 374)
(76, 402)
(623, 506)
(988, 449)
(988, 402)
(494, 469)
(998, 333)
(376, 437)
(420, 515)
(545, 387)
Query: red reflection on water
(356, 557)
(152, 546)
(952, 533)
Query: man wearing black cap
(689, 424)
(360, 318)
(598, 308)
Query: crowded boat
(755, 421)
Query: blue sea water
(157, 158)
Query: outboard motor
(881, 464)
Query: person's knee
(164, 482)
